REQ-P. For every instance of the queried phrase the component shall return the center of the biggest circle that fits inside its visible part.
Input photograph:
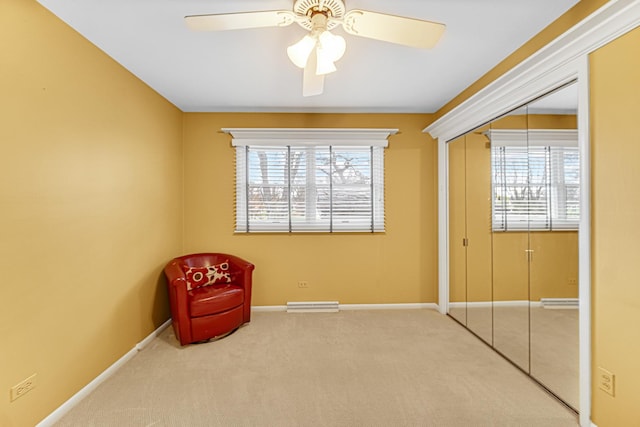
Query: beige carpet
(353, 368)
(555, 351)
(543, 342)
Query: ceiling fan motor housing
(329, 8)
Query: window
(535, 179)
(309, 180)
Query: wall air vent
(313, 307)
(559, 302)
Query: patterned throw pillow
(198, 277)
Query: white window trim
(311, 137)
(533, 137)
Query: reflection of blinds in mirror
(535, 179)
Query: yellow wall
(536, 121)
(478, 217)
(615, 108)
(91, 209)
(470, 217)
(510, 266)
(457, 222)
(399, 266)
(554, 264)
(553, 268)
(555, 121)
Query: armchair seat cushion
(214, 299)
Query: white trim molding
(562, 61)
(351, 307)
(311, 136)
(584, 244)
(533, 137)
(399, 306)
(267, 308)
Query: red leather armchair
(210, 295)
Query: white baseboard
(259, 308)
(404, 306)
(479, 304)
(489, 304)
(560, 304)
(56, 415)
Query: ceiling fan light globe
(333, 45)
(299, 53)
(325, 64)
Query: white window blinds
(535, 179)
(306, 185)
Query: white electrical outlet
(606, 381)
(23, 387)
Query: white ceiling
(248, 70)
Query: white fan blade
(312, 84)
(239, 21)
(393, 29)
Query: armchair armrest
(240, 263)
(244, 277)
(177, 284)
(241, 271)
(175, 275)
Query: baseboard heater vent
(559, 302)
(313, 307)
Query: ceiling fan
(318, 17)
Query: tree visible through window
(319, 188)
(312, 188)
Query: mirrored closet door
(510, 237)
(554, 166)
(513, 238)
(470, 234)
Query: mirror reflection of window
(553, 275)
(536, 179)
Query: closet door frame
(561, 61)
